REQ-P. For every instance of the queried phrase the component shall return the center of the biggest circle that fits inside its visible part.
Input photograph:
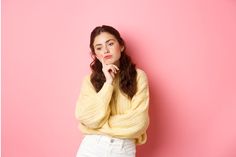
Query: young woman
(112, 108)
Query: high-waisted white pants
(105, 146)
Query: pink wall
(186, 47)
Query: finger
(112, 68)
(112, 74)
(116, 67)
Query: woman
(112, 108)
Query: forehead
(103, 37)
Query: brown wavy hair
(128, 73)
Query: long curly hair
(128, 73)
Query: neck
(117, 63)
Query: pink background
(187, 48)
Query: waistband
(109, 139)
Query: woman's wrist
(109, 81)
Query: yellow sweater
(111, 112)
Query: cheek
(99, 56)
(117, 50)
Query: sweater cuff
(106, 92)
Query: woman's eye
(110, 44)
(98, 49)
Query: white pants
(105, 146)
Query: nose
(106, 50)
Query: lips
(107, 56)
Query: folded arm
(135, 121)
(92, 108)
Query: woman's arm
(92, 108)
(136, 120)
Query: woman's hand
(109, 71)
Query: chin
(109, 62)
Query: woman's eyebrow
(105, 42)
(109, 40)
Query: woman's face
(107, 48)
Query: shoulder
(141, 74)
(142, 82)
(86, 79)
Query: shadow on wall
(156, 131)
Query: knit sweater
(111, 112)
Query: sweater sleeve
(135, 121)
(92, 108)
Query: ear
(122, 48)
